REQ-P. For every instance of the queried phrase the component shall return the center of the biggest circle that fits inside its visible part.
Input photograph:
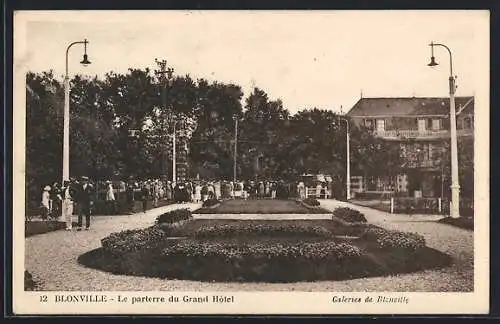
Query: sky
(323, 59)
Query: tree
(211, 145)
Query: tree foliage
(272, 143)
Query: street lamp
(165, 75)
(455, 185)
(235, 118)
(348, 162)
(84, 62)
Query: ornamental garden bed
(261, 206)
(263, 251)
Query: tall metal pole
(455, 184)
(166, 82)
(348, 182)
(235, 147)
(65, 166)
(174, 160)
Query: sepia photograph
(197, 161)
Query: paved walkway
(52, 259)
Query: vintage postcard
(251, 162)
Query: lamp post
(84, 62)
(235, 118)
(165, 75)
(348, 162)
(455, 185)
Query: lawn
(263, 206)
(263, 251)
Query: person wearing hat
(45, 202)
(67, 204)
(84, 199)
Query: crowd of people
(79, 195)
(63, 200)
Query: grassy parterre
(263, 206)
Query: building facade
(421, 126)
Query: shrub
(394, 239)
(210, 202)
(134, 240)
(266, 229)
(349, 215)
(311, 201)
(29, 283)
(174, 216)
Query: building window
(421, 125)
(436, 124)
(368, 123)
(380, 125)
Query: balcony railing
(424, 134)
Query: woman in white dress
(197, 192)
(45, 202)
(110, 197)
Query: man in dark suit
(84, 198)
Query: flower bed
(174, 216)
(264, 261)
(349, 215)
(134, 240)
(394, 239)
(266, 229)
(266, 251)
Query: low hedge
(461, 222)
(394, 239)
(349, 215)
(210, 202)
(266, 229)
(121, 207)
(311, 202)
(134, 240)
(174, 216)
(263, 261)
(41, 227)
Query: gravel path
(52, 259)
